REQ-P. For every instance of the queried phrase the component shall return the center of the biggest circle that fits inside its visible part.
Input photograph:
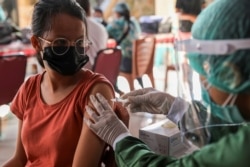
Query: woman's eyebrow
(82, 36)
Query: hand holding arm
(149, 100)
(105, 123)
(122, 113)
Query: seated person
(50, 106)
(97, 34)
(124, 30)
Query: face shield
(206, 121)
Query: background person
(187, 12)
(223, 121)
(98, 16)
(97, 34)
(2, 14)
(124, 30)
(50, 106)
(10, 6)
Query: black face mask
(66, 64)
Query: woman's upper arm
(90, 148)
(19, 159)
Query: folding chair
(107, 62)
(12, 74)
(142, 60)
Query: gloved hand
(122, 113)
(148, 100)
(105, 123)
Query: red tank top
(50, 133)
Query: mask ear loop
(230, 100)
(41, 52)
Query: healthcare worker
(219, 124)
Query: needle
(116, 99)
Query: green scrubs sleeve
(230, 151)
(131, 151)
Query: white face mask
(228, 111)
(98, 19)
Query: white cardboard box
(163, 138)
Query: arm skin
(90, 147)
(19, 159)
(122, 113)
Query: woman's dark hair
(45, 11)
(85, 5)
(126, 15)
(123, 10)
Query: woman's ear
(36, 43)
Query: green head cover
(224, 19)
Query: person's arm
(122, 113)
(90, 147)
(131, 151)
(231, 150)
(137, 27)
(116, 132)
(141, 101)
(163, 103)
(19, 159)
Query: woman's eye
(60, 42)
(80, 43)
